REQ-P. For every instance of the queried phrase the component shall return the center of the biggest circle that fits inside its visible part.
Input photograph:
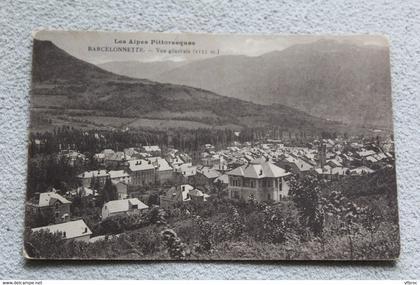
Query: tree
(39, 218)
(109, 191)
(306, 194)
(219, 188)
(153, 199)
(44, 244)
(176, 248)
(205, 234)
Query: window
(235, 182)
(252, 184)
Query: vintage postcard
(159, 146)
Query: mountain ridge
(66, 89)
(327, 79)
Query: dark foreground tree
(306, 194)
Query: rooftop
(117, 206)
(140, 164)
(117, 174)
(259, 169)
(70, 230)
(48, 198)
(93, 173)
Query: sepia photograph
(188, 146)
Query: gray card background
(399, 20)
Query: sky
(83, 44)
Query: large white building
(74, 230)
(126, 206)
(260, 179)
(142, 172)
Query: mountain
(327, 79)
(69, 91)
(138, 69)
(51, 64)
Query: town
(153, 180)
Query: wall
(398, 19)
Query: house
(99, 175)
(116, 159)
(371, 158)
(362, 170)
(260, 179)
(163, 170)
(99, 157)
(365, 153)
(142, 172)
(222, 166)
(331, 173)
(185, 174)
(334, 162)
(119, 176)
(154, 150)
(130, 151)
(294, 164)
(84, 192)
(72, 157)
(122, 190)
(185, 157)
(176, 194)
(208, 146)
(206, 175)
(181, 194)
(126, 206)
(74, 230)
(212, 160)
(52, 206)
(175, 160)
(103, 155)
